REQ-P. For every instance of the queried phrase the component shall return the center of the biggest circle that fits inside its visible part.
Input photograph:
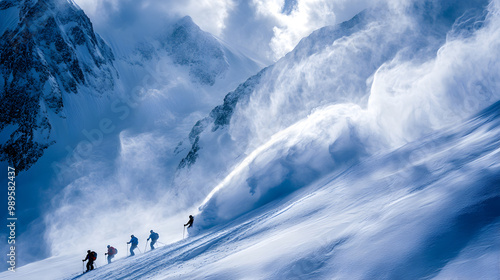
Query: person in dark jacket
(134, 241)
(111, 253)
(190, 222)
(91, 258)
(153, 236)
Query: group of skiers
(92, 256)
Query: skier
(153, 236)
(91, 257)
(134, 242)
(111, 253)
(190, 222)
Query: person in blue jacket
(134, 241)
(153, 236)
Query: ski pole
(127, 250)
(183, 232)
(139, 250)
(145, 247)
(83, 267)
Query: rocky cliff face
(50, 49)
(220, 116)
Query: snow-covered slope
(429, 210)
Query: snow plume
(409, 71)
(456, 83)
(291, 159)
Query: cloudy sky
(263, 29)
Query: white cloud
(210, 15)
(297, 20)
(303, 19)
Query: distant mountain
(188, 45)
(50, 49)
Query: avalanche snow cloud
(387, 77)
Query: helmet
(190, 216)
(132, 235)
(88, 251)
(151, 231)
(109, 246)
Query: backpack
(93, 255)
(113, 251)
(156, 236)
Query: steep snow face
(428, 210)
(48, 49)
(386, 77)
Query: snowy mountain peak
(48, 49)
(190, 46)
